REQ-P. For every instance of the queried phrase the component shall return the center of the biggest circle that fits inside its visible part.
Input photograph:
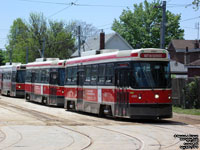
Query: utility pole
(26, 55)
(79, 41)
(163, 25)
(43, 47)
(197, 27)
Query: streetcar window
(53, 77)
(61, 73)
(101, 73)
(45, 76)
(28, 75)
(87, 74)
(151, 75)
(20, 76)
(14, 76)
(68, 75)
(37, 76)
(109, 73)
(94, 72)
(71, 75)
(74, 74)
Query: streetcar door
(32, 84)
(53, 87)
(122, 83)
(13, 83)
(80, 81)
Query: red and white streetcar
(12, 79)
(45, 81)
(129, 83)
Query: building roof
(94, 44)
(180, 45)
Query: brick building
(184, 51)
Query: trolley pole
(26, 55)
(43, 47)
(163, 26)
(79, 41)
(11, 55)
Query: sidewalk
(186, 116)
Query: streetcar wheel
(27, 97)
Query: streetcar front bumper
(150, 111)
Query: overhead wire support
(69, 5)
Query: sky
(99, 13)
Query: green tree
(141, 27)
(60, 42)
(17, 41)
(32, 34)
(196, 4)
(2, 57)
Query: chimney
(196, 44)
(186, 56)
(102, 40)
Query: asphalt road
(31, 126)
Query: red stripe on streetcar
(101, 58)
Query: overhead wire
(73, 4)
(190, 19)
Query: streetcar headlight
(169, 97)
(19, 86)
(62, 92)
(156, 96)
(139, 97)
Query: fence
(186, 92)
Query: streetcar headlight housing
(139, 97)
(156, 96)
(19, 86)
(62, 91)
(169, 97)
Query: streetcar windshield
(151, 75)
(21, 76)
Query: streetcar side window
(74, 75)
(45, 76)
(37, 76)
(71, 75)
(54, 78)
(28, 75)
(94, 72)
(14, 76)
(101, 73)
(109, 74)
(68, 75)
(87, 74)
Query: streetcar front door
(122, 82)
(53, 88)
(13, 84)
(80, 80)
(32, 95)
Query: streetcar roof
(46, 64)
(123, 55)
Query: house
(178, 70)
(184, 51)
(110, 41)
(194, 69)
